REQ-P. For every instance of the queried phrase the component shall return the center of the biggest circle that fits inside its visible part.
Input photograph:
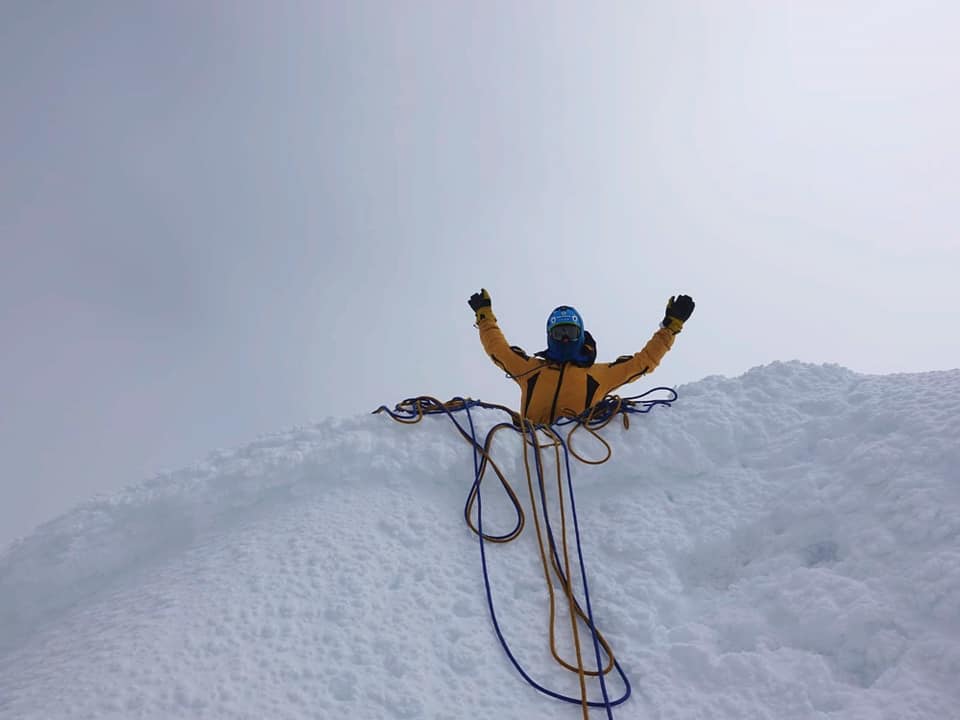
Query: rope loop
(555, 557)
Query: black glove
(480, 303)
(679, 310)
(479, 300)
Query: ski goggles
(564, 332)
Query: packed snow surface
(785, 544)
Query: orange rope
(423, 405)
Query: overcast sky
(223, 219)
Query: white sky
(218, 220)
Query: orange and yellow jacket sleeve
(515, 363)
(628, 368)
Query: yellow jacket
(550, 390)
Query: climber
(565, 380)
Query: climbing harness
(554, 558)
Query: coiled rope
(413, 410)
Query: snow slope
(781, 545)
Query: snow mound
(785, 544)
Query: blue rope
(493, 613)
(599, 415)
(412, 408)
(607, 703)
(586, 593)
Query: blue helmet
(565, 334)
(564, 315)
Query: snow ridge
(785, 544)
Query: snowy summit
(781, 545)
